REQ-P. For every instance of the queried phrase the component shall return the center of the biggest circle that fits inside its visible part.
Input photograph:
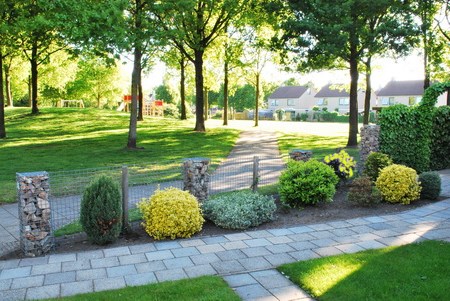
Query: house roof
(331, 91)
(408, 87)
(289, 92)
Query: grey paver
(279, 259)
(159, 255)
(200, 270)
(186, 251)
(55, 258)
(214, 248)
(132, 259)
(181, 262)
(169, 275)
(215, 239)
(281, 248)
(252, 291)
(150, 266)
(191, 243)
(27, 282)
(75, 265)
(136, 249)
(43, 292)
(90, 255)
(324, 242)
(301, 237)
(237, 236)
(106, 284)
(46, 268)
(204, 258)
(350, 248)
(74, 288)
(232, 245)
(301, 229)
(290, 292)
(117, 251)
(279, 239)
(371, 244)
(280, 232)
(33, 261)
(320, 227)
(59, 278)
(122, 270)
(5, 284)
(259, 234)
(167, 245)
(9, 264)
(227, 267)
(255, 263)
(231, 254)
(104, 262)
(14, 295)
(90, 274)
(304, 255)
(15, 273)
(256, 251)
(240, 280)
(140, 279)
(328, 251)
(272, 280)
(258, 242)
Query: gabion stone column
(300, 155)
(370, 142)
(36, 237)
(196, 177)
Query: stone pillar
(370, 142)
(196, 177)
(300, 155)
(36, 236)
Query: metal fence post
(125, 222)
(255, 173)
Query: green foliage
(171, 213)
(431, 185)
(101, 211)
(362, 192)
(171, 111)
(440, 139)
(239, 210)
(329, 116)
(243, 98)
(162, 92)
(405, 135)
(303, 116)
(398, 184)
(316, 109)
(341, 163)
(307, 183)
(374, 163)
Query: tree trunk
(205, 100)
(426, 82)
(182, 88)
(225, 93)
(257, 100)
(30, 93)
(135, 79)
(2, 101)
(353, 118)
(198, 64)
(448, 96)
(368, 91)
(9, 99)
(34, 79)
(141, 101)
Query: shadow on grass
(418, 271)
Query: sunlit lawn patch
(411, 272)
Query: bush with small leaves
(101, 211)
(239, 210)
(342, 163)
(363, 192)
(374, 163)
(431, 185)
(171, 213)
(398, 184)
(307, 183)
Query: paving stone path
(246, 260)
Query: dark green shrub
(440, 139)
(431, 185)
(304, 116)
(405, 135)
(307, 183)
(240, 210)
(329, 116)
(374, 163)
(363, 192)
(171, 111)
(101, 211)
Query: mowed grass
(68, 139)
(207, 288)
(411, 272)
(319, 145)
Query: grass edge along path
(205, 288)
(418, 271)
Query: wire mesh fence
(237, 173)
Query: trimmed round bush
(239, 210)
(362, 192)
(431, 185)
(307, 183)
(342, 164)
(101, 211)
(398, 184)
(171, 213)
(374, 163)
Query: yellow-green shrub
(171, 213)
(398, 184)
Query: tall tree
(193, 25)
(325, 33)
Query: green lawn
(67, 139)
(319, 145)
(411, 272)
(207, 288)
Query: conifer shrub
(375, 162)
(431, 185)
(307, 183)
(342, 164)
(171, 213)
(362, 192)
(240, 210)
(398, 184)
(101, 210)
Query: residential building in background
(298, 99)
(335, 98)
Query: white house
(297, 99)
(408, 92)
(336, 99)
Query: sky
(384, 70)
